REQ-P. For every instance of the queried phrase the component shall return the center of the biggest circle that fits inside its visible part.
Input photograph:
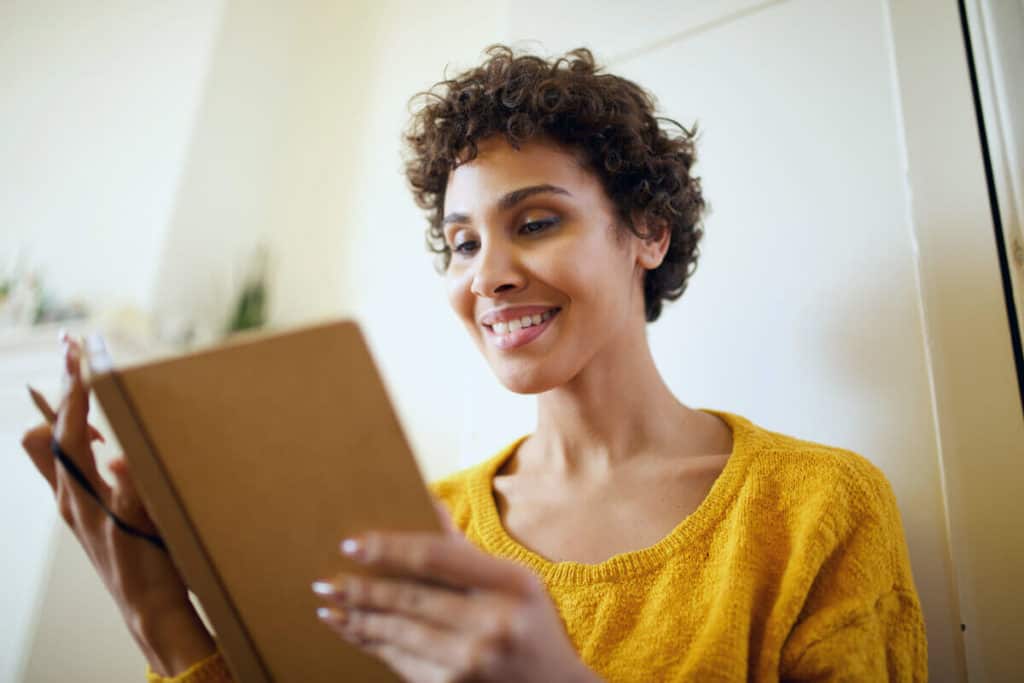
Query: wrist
(172, 641)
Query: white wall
(805, 313)
(97, 102)
(977, 404)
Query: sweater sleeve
(880, 642)
(209, 670)
(862, 618)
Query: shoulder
(808, 474)
(460, 492)
(454, 490)
(834, 499)
(847, 559)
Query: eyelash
(544, 225)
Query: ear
(651, 251)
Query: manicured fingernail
(330, 614)
(352, 547)
(324, 588)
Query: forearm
(172, 641)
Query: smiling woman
(672, 543)
(629, 537)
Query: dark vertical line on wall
(993, 203)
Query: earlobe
(652, 251)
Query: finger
(446, 518)
(96, 435)
(441, 606)
(408, 667)
(415, 639)
(74, 405)
(435, 557)
(36, 443)
(50, 415)
(125, 500)
(71, 429)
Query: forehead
(500, 168)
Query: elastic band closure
(78, 476)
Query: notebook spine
(191, 559)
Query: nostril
(502, 288)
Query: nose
(498, 270)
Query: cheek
(599, 277)
(460, 298)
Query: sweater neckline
(498, 541)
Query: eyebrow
(510, 199)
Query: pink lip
(522, 337)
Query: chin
(527, 380)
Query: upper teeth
(517, 324)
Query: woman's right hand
(149, 592)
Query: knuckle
(505, 631)
(419, 557)
(509, 625)
(432, 553)
(409, 598)
(480, 659)
(381, 594)
(66, 505)
(375, 627)
(355, 622)
(402, 632)
(36, 439)
(120, 505)
(374, 547)
(355, 589)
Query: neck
(616, 409)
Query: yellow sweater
(794, 567)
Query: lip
(521, 337)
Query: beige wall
(977, 405)
(97, 102)
(814, 308)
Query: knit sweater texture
(794, 567)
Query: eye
(533, 227)
(465, 247)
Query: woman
(629, 537)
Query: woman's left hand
(452, 612)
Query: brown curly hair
(608, 121)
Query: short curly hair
(642, 160)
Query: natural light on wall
(172, 173)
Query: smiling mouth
(520, 331)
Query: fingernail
(325, 588)
(352, 547)
(331, 614)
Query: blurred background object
(171, 172)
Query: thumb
(446, 519)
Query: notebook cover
(255, 459)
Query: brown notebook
(255, 459)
